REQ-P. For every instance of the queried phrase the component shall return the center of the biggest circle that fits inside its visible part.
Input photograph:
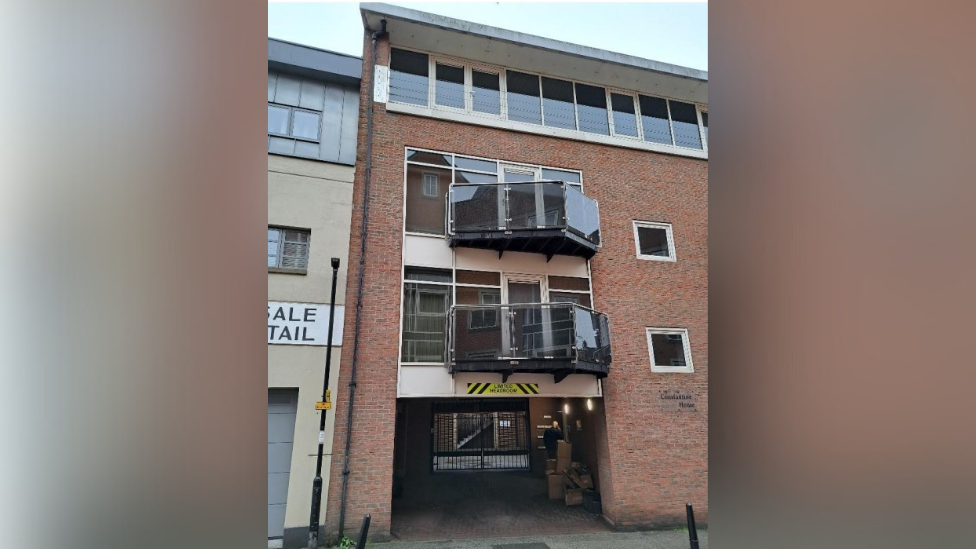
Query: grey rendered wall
(339, 106)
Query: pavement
(675, 539)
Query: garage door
(282, 407)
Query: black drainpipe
(362, 268)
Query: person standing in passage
(551, 439)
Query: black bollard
(692, 531)
(362, 533)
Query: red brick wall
(652, 459)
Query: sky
(675, 33)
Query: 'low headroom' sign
(303, 324)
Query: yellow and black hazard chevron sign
(503, 388)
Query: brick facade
(652, 458)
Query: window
(291, 122)
(684, 120)
(486, 93)
(655, 120)
(305, 125)
(557, 103)
(483, 319)
(591, 105)
(624, 115)
(523, 97)
(669, 350)
(655, 241)
(278, 119)
(480, 90)
(426, 301)
(449, 88)
(431, 185)
(425, 199)
(288, 249)
(408, 77)
(571, 178)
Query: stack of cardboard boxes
(567, 478)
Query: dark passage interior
(470, 468)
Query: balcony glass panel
(544, 217)
(592, 336)
(480, 333)
(541, 331)
(562, 335)
(582, 215)
(477, 207)
(535, 205)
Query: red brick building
(535, 218)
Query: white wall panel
(518, 262)
(420, 381)
(425, 251)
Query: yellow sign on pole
(327, 405)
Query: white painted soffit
(453, 37)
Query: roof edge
(523, 39)
(306, 46)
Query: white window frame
(436, 178)
(688, 368)
(674, 139)
(637, 114)
(702, 109)
(655, 225)
(465, 83)
(469, 90)
(469, 115)
(430, 79)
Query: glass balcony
(540, 338)
(548, 217)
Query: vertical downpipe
(362, 268)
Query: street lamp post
(313, 525)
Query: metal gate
(480, 434)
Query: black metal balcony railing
(549, 217)
(551, 338)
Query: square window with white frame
(655, 241)
(288, 249)
(669, 350)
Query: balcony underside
(541, 241)
(558, 368)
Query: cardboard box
(550, 466)
(564, 450)
(579, 480)
(585, 481)
(557, 485)
(574, 496)
(562, 465)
